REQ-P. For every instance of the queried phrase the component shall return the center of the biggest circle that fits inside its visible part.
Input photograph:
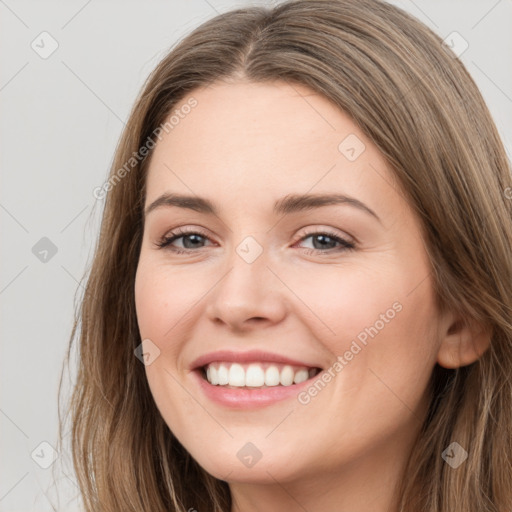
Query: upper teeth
(256, 374)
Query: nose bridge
(248, 289)
(248, 275)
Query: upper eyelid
(181, 232)
(304, 231)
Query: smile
(256, 375)
(253, 378)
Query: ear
(463, 342)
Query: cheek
(339, 304)
(408, 351)
(383, 327)
(163, 297)
(162, 301)
(389, 354)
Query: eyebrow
(286, 205)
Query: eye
(191, 239)
(325, 242)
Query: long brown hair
(415, 100)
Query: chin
(245, 463)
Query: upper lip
(247, 357)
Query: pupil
(194, 239)
(188, 237)
(323, 237)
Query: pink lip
(251, 356)
(244, 398)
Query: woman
(367, 371)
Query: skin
(244, 146)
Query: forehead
(261, 116)
(245, 141)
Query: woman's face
(266, 282)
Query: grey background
(61, 120)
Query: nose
(248, 295)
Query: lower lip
(244, 398)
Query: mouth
(255, 375)
(252, 379)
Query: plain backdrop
(62, 115)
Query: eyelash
(165, 241)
